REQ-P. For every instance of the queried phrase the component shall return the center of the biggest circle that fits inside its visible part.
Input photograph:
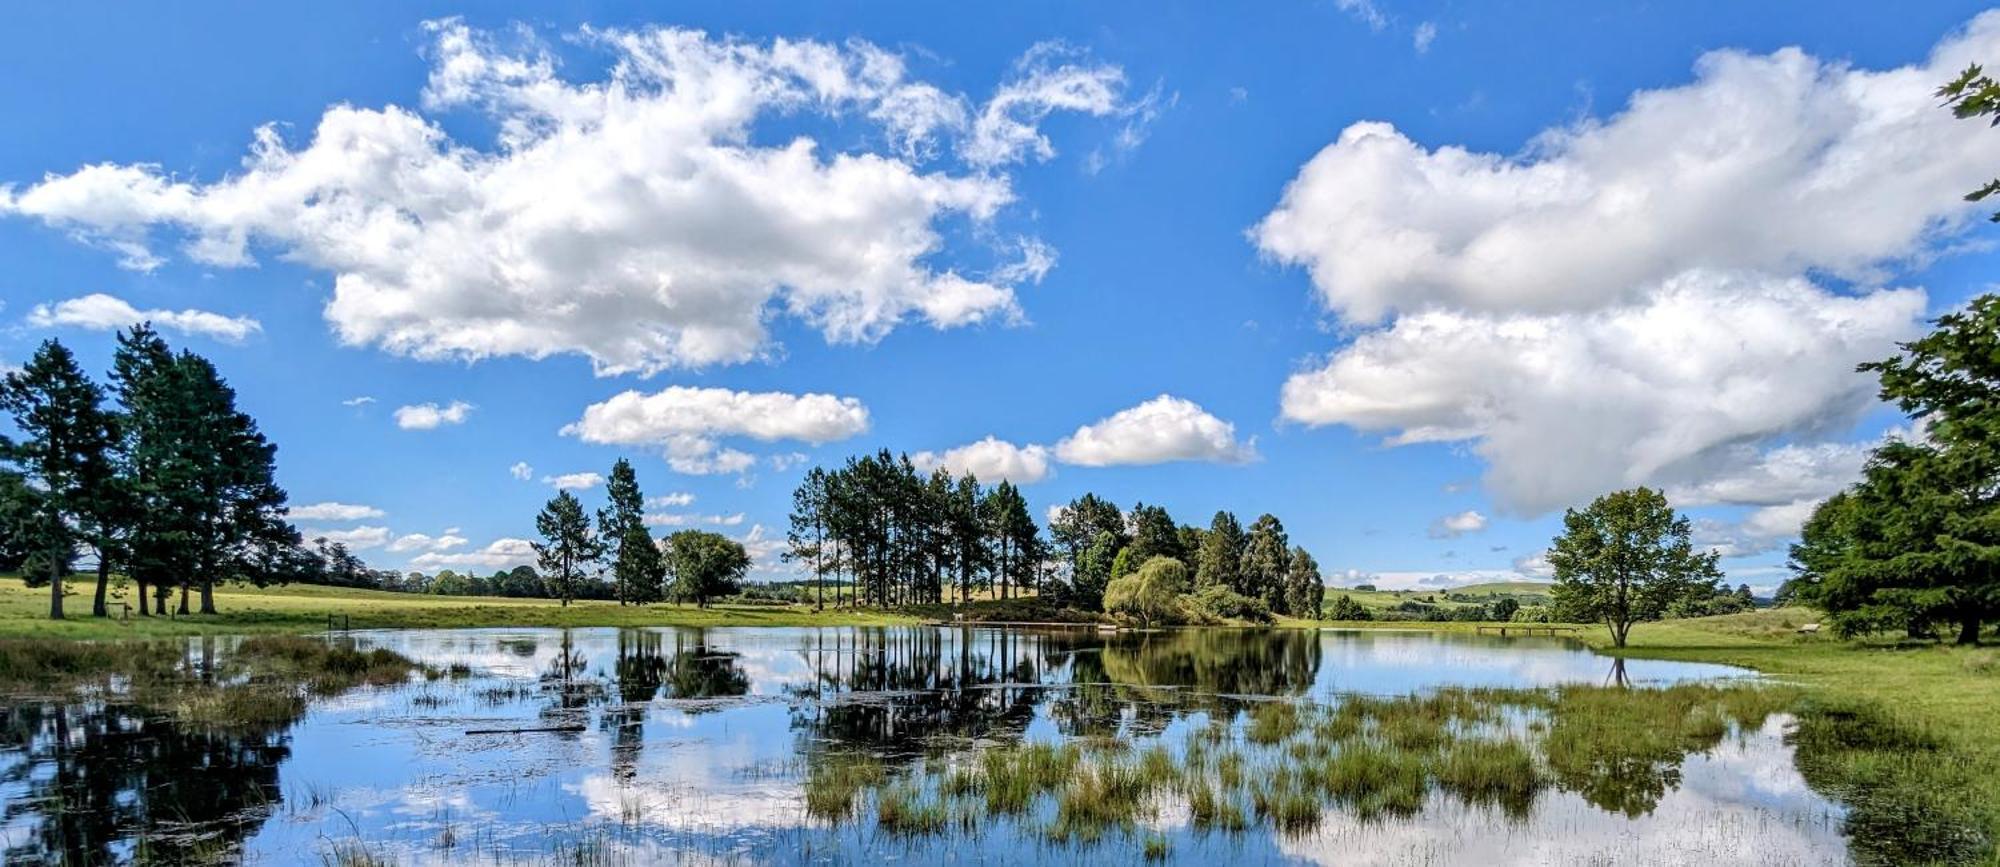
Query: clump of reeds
(832, 784)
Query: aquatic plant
(832, 784)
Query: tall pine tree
(67, 437)
(637, 567)
(568, 546)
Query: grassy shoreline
(305, 608)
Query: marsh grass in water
(261, 680)
(1286, 763)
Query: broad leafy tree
(1150, 595)
(568, 547)
(1974, 94)
(64, 450)
(705, 565)
(1625, 558)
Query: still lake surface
(694, 745)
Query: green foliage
(1266, 557)
(1219, 563)
(1093, 569)
(1155, 535)
(1975, 94)
(1305, 590)
(1916, 543)
(1082, 524)
(1626, 558)
(637, 569)
(1124, 564)
(1150, 595)
(1218, 603)
(705, 565)
(64, 451)
(568, 546)
(1345, 608)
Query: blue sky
(1411, 276)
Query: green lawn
(304, 608)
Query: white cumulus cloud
(100, 312)
(425, 416)
(355, 538)
(1666, 390)
(639, 220)
(991, 460)
(521, 471)
(574, 481)
(424, 542)
(686, 423)
(1454, 526)
(331, 511)
(1163, 429)
(503, 553)
(1782, 163)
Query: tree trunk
(1618, 631)
(184, 599)
(97, 607)
(143, 612)
(1968, 631)
(207, 596)
(55, 589)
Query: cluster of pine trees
(688, 566)
(901, 537)
(159, 476)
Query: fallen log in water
(528, 731)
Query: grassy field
(1524, 592)
(304, 608)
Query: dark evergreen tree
(637, 568)
(1219, 563)
(64, 450)
(1305, 590)
(568, 547)
(1266, 557)
(1154, 535)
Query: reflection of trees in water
(645, 665)
(106, 783)
(895, 688)
(1155, 676)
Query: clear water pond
(925, 745)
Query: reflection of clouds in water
(723, 779)
(1689, 827)
(1389, 662)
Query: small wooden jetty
(1525, 629)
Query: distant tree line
(896, 535)
(158, 476)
